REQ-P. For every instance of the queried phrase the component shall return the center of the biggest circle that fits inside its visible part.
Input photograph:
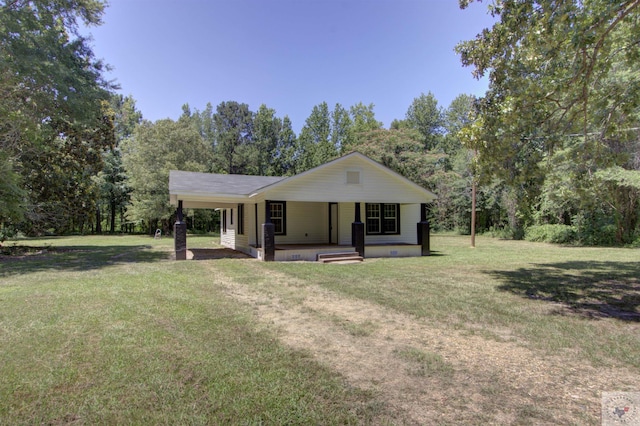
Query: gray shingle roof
(193, 183)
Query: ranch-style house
(349, 205)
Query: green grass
(426, 363)
(548, 297)
(107, 330)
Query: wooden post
(268, 235)
(357, 232)
(180, 234)
(474, 184)
(424, 229)
(473, 213)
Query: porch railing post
(357, 232)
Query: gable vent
(353, 177)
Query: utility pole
(473, 213)
(473, 201)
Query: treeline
(554, 152)
(233, 139)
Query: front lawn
(109, 330)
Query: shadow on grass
(75, 258)
(592, 289)
(217, 253)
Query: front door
(333, 223)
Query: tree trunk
(112, 207)
(98, 221)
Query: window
(373, 218)
(390, 219)
(279, 217)
(231, 213)
(383, 219)
(240, 226)
(224, 221)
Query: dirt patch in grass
(429, 373)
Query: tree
(61, 191)
(425, 116)
(402, 151)
(154, 150)
(564, 86)
(314, 142)
(266, 133)
(341, 125)
(457, 115)
(546, 62)
(286, 150)
(204, 122)
(47, 69)
(125, 116)
(233, 128)
(112, 181)
(11, 194)
(51, 109)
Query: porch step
(352, 256)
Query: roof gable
(325, 183)
(328, 182)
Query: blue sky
(287, 54)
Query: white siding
(307, 223)
(242, 240)
(409, 217)
(231, 238)
(329, 184)
(227, 239)
(250, 224)
(346, 212)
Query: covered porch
(311, 252)
(305, 230)
(351, 204)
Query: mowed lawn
(108, 330)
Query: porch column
(357, 232)
(180, 234)
(424, 231)
(268, 235)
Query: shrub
(557, 234)
(595, 229)
(502, 232)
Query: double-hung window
(383, 219)
(279, 217)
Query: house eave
(209, 200)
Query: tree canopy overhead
(52, 102)
(558, 68)
(563, 100)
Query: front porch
(310, 252)
(350, 204)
